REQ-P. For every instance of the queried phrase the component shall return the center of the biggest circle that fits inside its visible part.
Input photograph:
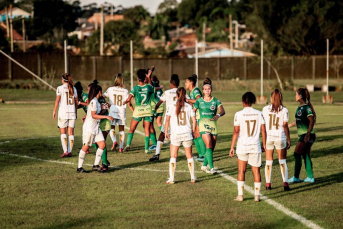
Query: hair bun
(175, 77)
(95, 82)
(194, 76)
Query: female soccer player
(208, 106)
(91, 129)
(276, 118)
(82, 96)
(169, 96)
(142, 93)
(178, 117)
(66, 100)
(195, 94)
(305, 118)
(249, 123)
(117, 95)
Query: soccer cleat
(121, 150)
(114, 146)
(286, 188)
(308, 180)
(169, 181)
(200, 159)
(155, 158)
(103, 168)
(108, 163)
(81, 170)
(153, 147)
(126, 149)
(257, 198)
(239, 198)
(66, 154)
(70, 155)
(87, 152)
(294, 180)
(96, 168)
(268, 186)
(148, 152)
(194, 180)
(212, 171)
(203, 168)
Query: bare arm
(57, 101)
(128, 99)
(97, 116)
(236, 130)
(131, 106)
(194, 121)
(292, 124)
(285, 127)
(192, 101)
(158, 105)
(221, 113)
(264, 136)
(166, 127)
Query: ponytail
(276, 101)
(193, 78)
(305, 95)
(67, 78)
(94, 90)
(181, 99)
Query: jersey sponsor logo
(208, 127)
(299, 113)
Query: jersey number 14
(273, 121)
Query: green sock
(153, 138)
(104, 156)
(202, 146)
(297, 165)
(146, 143)
(129, 139)
(95, 146)
(196, 142)
(308, 166)
(160, 127)
(205, 161)
(209, 156)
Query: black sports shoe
(108, 163)
(155, 158)
(286, 188)
(81, 170)
(103, 168)
(96, 168)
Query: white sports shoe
(203, 168)
(169, 181)
(212, 171)
(194, 180)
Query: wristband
(218, 115)
(78, 102)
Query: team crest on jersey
(299, 113)
(212, 108)
(309, 110)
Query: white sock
(191, 167)
(98, 156)
(113, 135)
(159, 147)
(172, 166)
(257, 188)
(71, 143)
(122, 139)
(64, 142)
(82, 156)
(284, 169)
(268, 170)
(240, 185)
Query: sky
(150, 5)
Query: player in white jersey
(169, 97)
(276, 118)
(178, 118)
(117, 95)
(91, 132)
(66, 101)
(249, 123)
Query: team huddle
(187, 119)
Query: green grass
(41, 194)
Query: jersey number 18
(117, 100)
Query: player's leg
(207, 138)
(152, 135)
(282, 154)
(100, 141)
(255, 161)
(62, 125)
(187, 145)
(299, 149)
(308, 161)
(269, 164)
(159, 121)
(133, 126)
(105, 162)
(159, 145)
(113, 135)
(71, 126)
(87, 139)
(242, 166)
(201, 145)
(147, 124)
(121, 137)
(172, 163)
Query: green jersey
(155, 100)
(84, 98)
(193, 95)
(301, 117)
(143, 95)
(102, 101)
(207, 111)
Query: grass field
(40, 190)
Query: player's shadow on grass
(303, 187)
(137, 164)
(70, 222)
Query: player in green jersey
(82, 97)
(195, 94)
(208, 106)
(305, 118)
(142, 93)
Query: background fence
(104, 68)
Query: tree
(167, 5)
(136, 14)
(158, 27)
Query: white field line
(249, 189)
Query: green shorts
(208, 126)
(105, 125)
(158, 114)
(205, 132)
(310, 141)
(146, 119)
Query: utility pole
(203, 38)
(112, 17)
(24, 35)
(236, 33)
(11, 28)
(102, 31)
(231, 43)
(7, 23)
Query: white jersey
(66, 108)
(249, 120)
(169, 96)
(274, 122)
(91, 125)
(180, 124)
(117, 96)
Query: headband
(207, 85)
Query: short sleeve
(75, 93)
(126, 95)
(219, 103)
(92, 106)
(169, 111)
(196, 104)
(163, 97)
(236, 120)
(187, 96)
(192, 113)
(106, 93)
(58, 91)
(285, 115)
(309, 111)
(262, 119)
(196, 93)
(132, 92)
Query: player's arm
(236, 130)
(98, 116)
(286, 129)
(158, 105)
(264, 136)
(166, 127)
(128, 99)
(292, 124)
(194, 124)
(192, 101)
(221, 113)
(57, 101)
(131, 106)
(310, 128)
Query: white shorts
(64, 123)
(279, 144)
(186, 139)
(119, 122)
(253, 159)
(119, 119)
(88, 138)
